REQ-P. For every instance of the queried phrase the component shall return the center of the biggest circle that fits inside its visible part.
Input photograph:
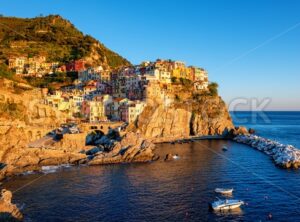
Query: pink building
(85, 108)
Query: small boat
(224, 148)
(224, 191)
(226, 204)
(176, 157)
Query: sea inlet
(177, 190)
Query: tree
(213, 88)
(173, 79)
(5, 72)
(177, 98)
(184, 81)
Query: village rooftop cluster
(103, 95)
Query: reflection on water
(233, 212)
(177, 190)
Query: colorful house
(75, 66)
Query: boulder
(169, 157)
(285, 156)
(8, 210)
(240, 130)
(93, 151)
(132, 148)
(251, 131)
(94, 137)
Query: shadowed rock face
(8, 211)
(132, 148)
(159, 122)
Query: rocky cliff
(24, 119)
(178, 113)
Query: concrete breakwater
(286, 156)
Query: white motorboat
(226, 204)
(224, 191)
(224, 148)
(176, 157)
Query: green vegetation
(185, 82)
(173, 79)
(50, 80)
(212, 92)
(17, 89)
(177, 98)
(213, 88)
(12, 110)
(5, 72)
(54, 37)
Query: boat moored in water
(224, 148)
(226, 204)
(175, 157)
(224, 191)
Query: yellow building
(98, 108)
(190, 74)
(97, 111)
(176, 73)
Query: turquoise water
(170, 191)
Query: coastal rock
(28, 121)
(8, 210)
(251, 131)
(131, 148)
(162, 122)
(169, 157)
(240, 130)
(96, 137)
(285, 156)
(108, 141)
(18, 161)
(94, 151)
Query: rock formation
(239, 130)
(174, 116)
(169, 157)
(8, 211)
(30, 120)
(132, 148)
(26, 119)
(285, 156)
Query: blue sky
(211, 34)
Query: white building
(152, 73)
(134, 110)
